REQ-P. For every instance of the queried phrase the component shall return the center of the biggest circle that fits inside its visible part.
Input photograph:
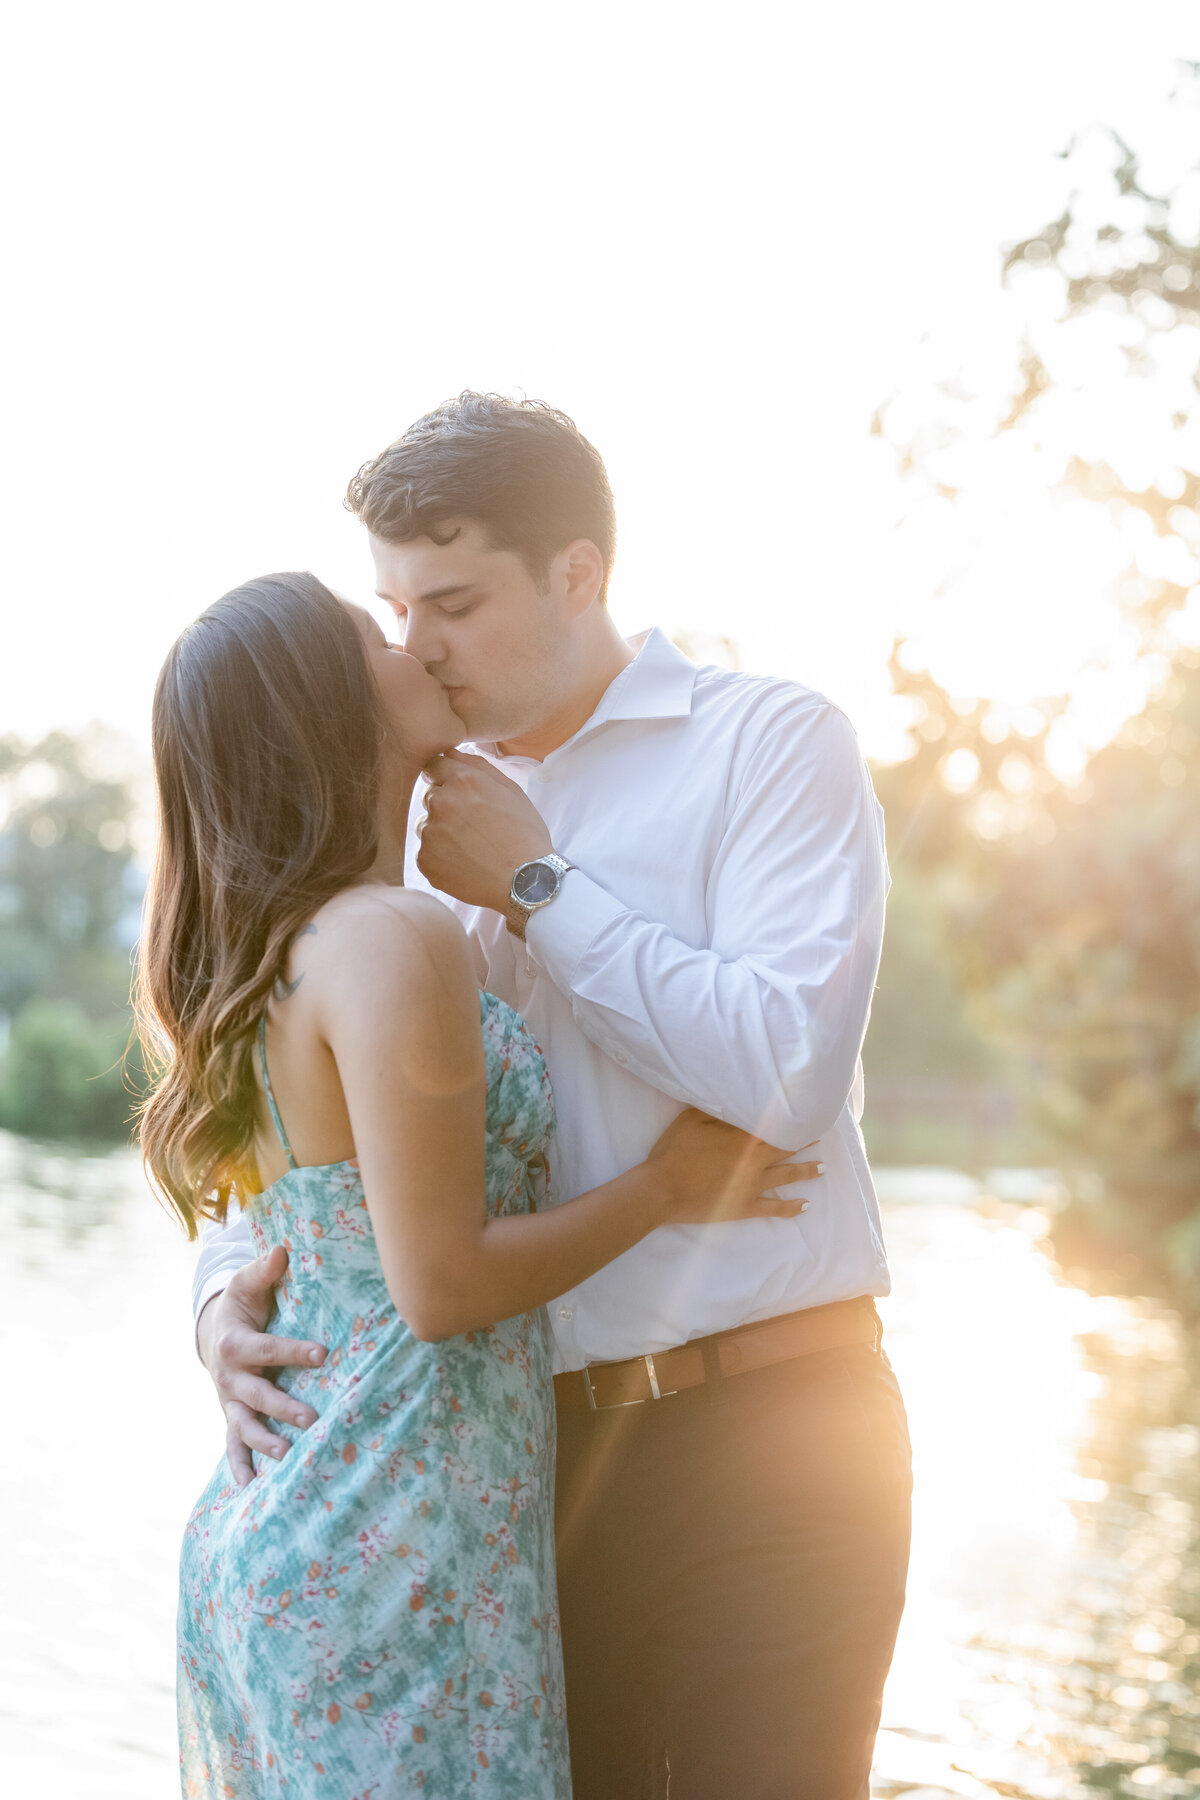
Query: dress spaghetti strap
(262, 1057)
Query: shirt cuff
(560, 935)
(201, 1295)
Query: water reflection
(1052, 1640)
(1049, 1650)
(54, 1198)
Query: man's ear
(578, 573)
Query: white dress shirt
(717, 945)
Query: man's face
(478, 620)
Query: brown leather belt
(841, 1326)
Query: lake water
(1052, 1639)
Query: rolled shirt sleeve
(224, 1249)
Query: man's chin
(459, 702)
(474, 726)
(480, 725)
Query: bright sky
(249, 243)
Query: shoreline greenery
(69, 898)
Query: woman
(375, 1614)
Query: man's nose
(422, 640)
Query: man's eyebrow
(442, 593)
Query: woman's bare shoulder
(375, 903)
(392, 975)
(386, 930)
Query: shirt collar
(657, 684)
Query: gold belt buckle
(655, 1393)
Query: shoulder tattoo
(284, 990)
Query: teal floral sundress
(376, 1615)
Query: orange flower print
(382, 1604)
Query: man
(677, 875)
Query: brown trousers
(731, 1568)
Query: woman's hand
(712, 1172)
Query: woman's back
(378, 1609)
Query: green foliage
(920, 1029)
(941, 1085)
(63, 1075)
(1048, 940)
(1093, 944)
(68, 900)
(1090, 957)
(1069, 913)
(65, 865)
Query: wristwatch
(535, 884)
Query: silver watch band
(518, 913)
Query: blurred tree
(63, 1075)
(1096, 946)
(1071, 909)
(941, 1085)
(69, 894)
(65, 875)
(1125, 253)
(1087, 960)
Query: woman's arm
(402, 1022)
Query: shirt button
(566, 1312)
(619, 1056)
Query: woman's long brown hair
(267, 744)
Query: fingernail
(804, 1205)
(314, 1356)
(820, 1168)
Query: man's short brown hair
(519, 468)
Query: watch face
(535, 882)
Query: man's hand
(234, 1348)
(479, 828)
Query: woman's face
(415, 707)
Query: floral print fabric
(375, 1616)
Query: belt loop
(714, 1388)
